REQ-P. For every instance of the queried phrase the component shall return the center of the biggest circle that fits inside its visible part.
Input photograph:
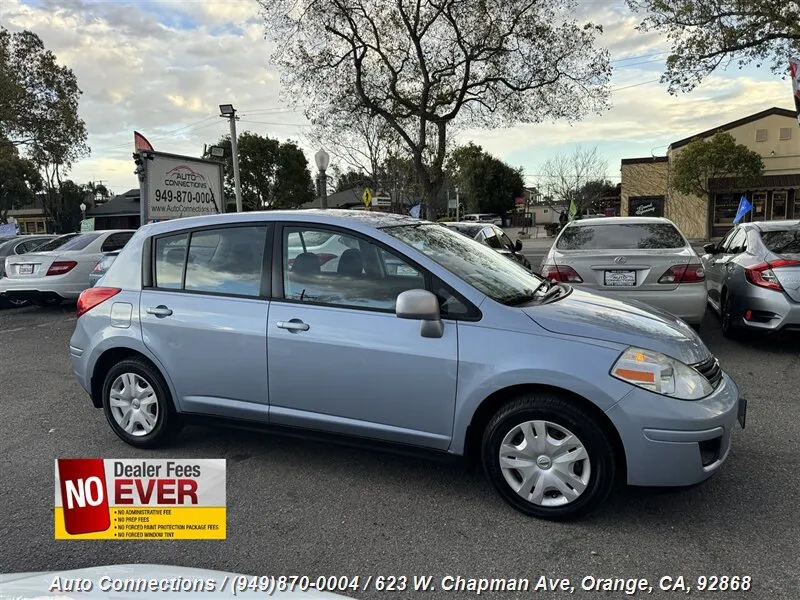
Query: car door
(340, 360)
(204, 315)
(716, 264)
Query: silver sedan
(59, 270)
(754, 277)
(645, 259)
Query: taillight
(61, 266)
(561, 273)
(92, 297)
(683, 274)
(97, 267)
(763, 275)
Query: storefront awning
(768, 182)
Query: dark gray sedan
(102, 266)
(753, 277)
(492, 236)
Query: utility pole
(227, 111)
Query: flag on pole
(140, 142)
(573, 210)
(794, 68)
(744, 208)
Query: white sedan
(59, 270)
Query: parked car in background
(14, 246)
(462, 351)
(483, 218)
(753, 277)
(645, 259)
(492, 236)
(102, 266)
(59, 270)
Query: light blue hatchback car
(386, 328)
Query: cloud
(162, 68)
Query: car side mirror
(518, 246)
(710, 248)
(421, 305)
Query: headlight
(660, 374)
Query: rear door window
(738, 243)
(786, 241)
(621, 236)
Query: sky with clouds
(162, 67)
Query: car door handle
(159, 311)
(294, 325)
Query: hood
(38, 585)
(632, 323)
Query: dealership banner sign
(180, 186)
(133, 499)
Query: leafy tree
(273, 174)
(427, 66)
(39, 111)
(353, 179)
(708, 35)
(63, 205)
(487, 184)
(575, 176)
(720, 156)
(19, 180)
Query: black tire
(48, 301)
(13, 303)
(727, 318)
(168, 422)
(566, 413)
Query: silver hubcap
(134, 404)
(545, 463)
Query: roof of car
(619, 220)
(331, 216)
(774, 225)
(466, 225)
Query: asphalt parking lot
(300, 507)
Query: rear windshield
(785, 241)
(79, 242)
(622, 236)
(59, 242)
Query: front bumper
(687, 301)
(671, 442)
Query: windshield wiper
(520, 299)
(545, 282)
(554, 292)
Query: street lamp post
(323, 160)
(83, 211)
(458, 204)
(227, 111)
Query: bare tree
(424, 65)
(570, 176)
(356, 139)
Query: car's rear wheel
(138, 405)
(727, 319)
(548, 457)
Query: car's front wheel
(548, 457)
(138, 405)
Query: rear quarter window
(621, 236)
(786, 241)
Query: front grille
(711, 370)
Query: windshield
(57, 243)
(620, 236)
(783, 241)
(491, 273)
